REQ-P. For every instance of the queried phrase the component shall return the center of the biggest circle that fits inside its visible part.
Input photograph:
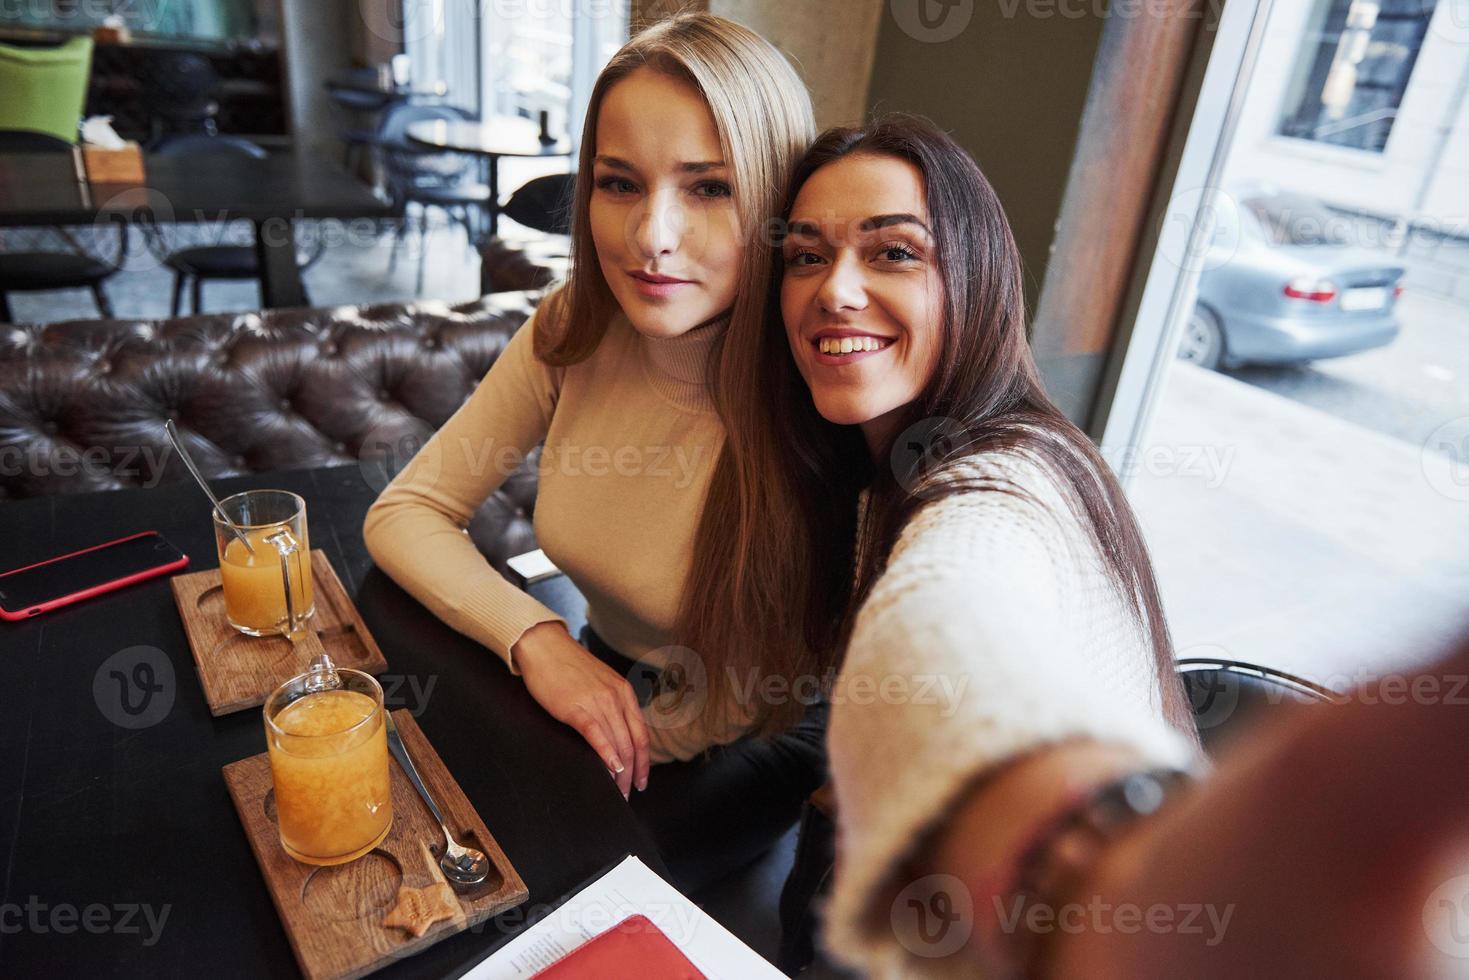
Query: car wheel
(1203, 340)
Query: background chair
(426, 177)
(24, 267)
(45, 88)
(542, 204)
(357, 94)
(200, 263)
(1230, 696)
(179, 87)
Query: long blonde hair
(762, 113)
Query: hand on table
(577, 688)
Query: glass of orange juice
(327, 738)
(267, 583)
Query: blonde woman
(692, 131)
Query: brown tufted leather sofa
(82, 403)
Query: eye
(897, 252)
(616, 185)
(800, 256)
(713, 189)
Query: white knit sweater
(996, 630)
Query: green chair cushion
(45, 88)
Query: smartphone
(60, 581)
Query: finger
(594, 731)
(622, 741)
(641, 738)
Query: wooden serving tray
(239, 671)
(334, 915)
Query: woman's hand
(1313, 850)
(582, 691)
(1328, 833)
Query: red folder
(635, 947)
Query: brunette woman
(1048, 814)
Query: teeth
(848, 345)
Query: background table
(42, 189)
(374, 92)
(96, 814)
(490, 139)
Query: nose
(661, 225)
(843, 290)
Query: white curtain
(441, 39)
(544, 55)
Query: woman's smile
(837, 347)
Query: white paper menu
(628, 889)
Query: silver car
(1283, 284)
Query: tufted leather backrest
(82, 403)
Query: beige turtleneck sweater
(631, 439)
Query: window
(214, 20)
(1301, 470)
(546, 57)
(1352, 69)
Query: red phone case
(635, 947)
(66, 600)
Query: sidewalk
(1313, 545)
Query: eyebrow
(809, 229)
(888, 220)
(694, 167)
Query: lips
(655, 279)
(658, 287)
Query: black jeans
(714, 814)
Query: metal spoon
(461, 865)
(178, 444)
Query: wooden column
(1134, 105)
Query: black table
(489, 139)
(375, 93)
(42, 189)
(95, 815)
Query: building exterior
(1362, 104)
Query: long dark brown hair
(781, 562)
